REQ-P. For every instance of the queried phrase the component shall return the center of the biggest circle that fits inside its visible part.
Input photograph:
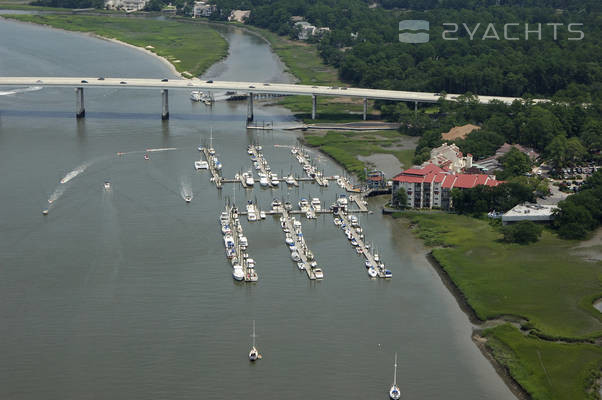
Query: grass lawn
(547, 370)
(344, 147)
(190, 48)
(333, 110)
(543, 282)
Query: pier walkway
(304, 254)
(215, 174)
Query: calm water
(127, 294)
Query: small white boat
(388, 274)
(146, 157)
(301, 265)
(275, 180)
(237, 273)
(243, 241)
(290, 180)
(249, 180)
(295, 256)
(288, 206)
(315, 203)
(45, 212)
(289, 241)
(250, 263)
(195, 95)
(201, 164)
(318, 273)
(262, 214)
(187, 199)
(218, 165)
(264, 181)
(337, 221)
(107, 185)
(372, 272)
(394, 392)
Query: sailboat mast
(395, 373)
(253, 333)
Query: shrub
(522, 232)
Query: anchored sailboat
(254, 354)
(394, 392)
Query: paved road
(245, 87)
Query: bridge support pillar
(314, 105)
(80, 110)
(165, 104)
(250, 108)
(365, 108)
(415, 107)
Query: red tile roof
(422, 171)
(431, 173)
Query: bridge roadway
(245, 87)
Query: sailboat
(211, 149)
(394, 392)
(254, 354)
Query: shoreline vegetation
(537, 325)
(189, 49)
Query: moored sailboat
(394, 392)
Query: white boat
(388, 274)
(303, 204)
(342, 200)
(252, 216)
(228, 241)
(254, 354)
(218, 165)
(290, 180)
(275, 180)
(195, 95)
(337, 221)
(250, 263)
(372, 272)
(187, 198)
(394, 392)
(249, 179)
(289, 241)
(262, 214)
(318, 273)
(201, 164)
(288, 206)
(263, 180)
(243, 241)
(237, 273)
(107, 185)
(295, 256)
(301, 265)
(315, 203)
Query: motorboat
(275, 180)
(45, 212)
(318, 273)
(337, 221)
(146, 157)
(372, 272)
(315, 203)
(359, 250)
(342, 200)
(249, 179)
(276, 204)
(195, 95)
(367, 264)
(394, 392)
(187, 199)
(237, 273)
(288, 206)
(250, 263)
(218, 165)
(226, 229)
(301, 265)
(228, 241)
(289, 241)
(262, 214)
(303, 204)
(388, 274)
(295, 256)
(263, 180)
(290, 180)
(376, 257)
(254, 354)
(107, 185)
(201, 164)
(244, 242)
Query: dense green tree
(515, 163)
(523, 232)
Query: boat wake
(162, 149)
(77, 171)
(186, 189)
(16, 91)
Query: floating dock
(216, 177)
(237, 253)
(305, 254)
(311, 171)
(368, 255)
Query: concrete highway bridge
(250, 88)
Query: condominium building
(431, 186)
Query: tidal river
(126, 293)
